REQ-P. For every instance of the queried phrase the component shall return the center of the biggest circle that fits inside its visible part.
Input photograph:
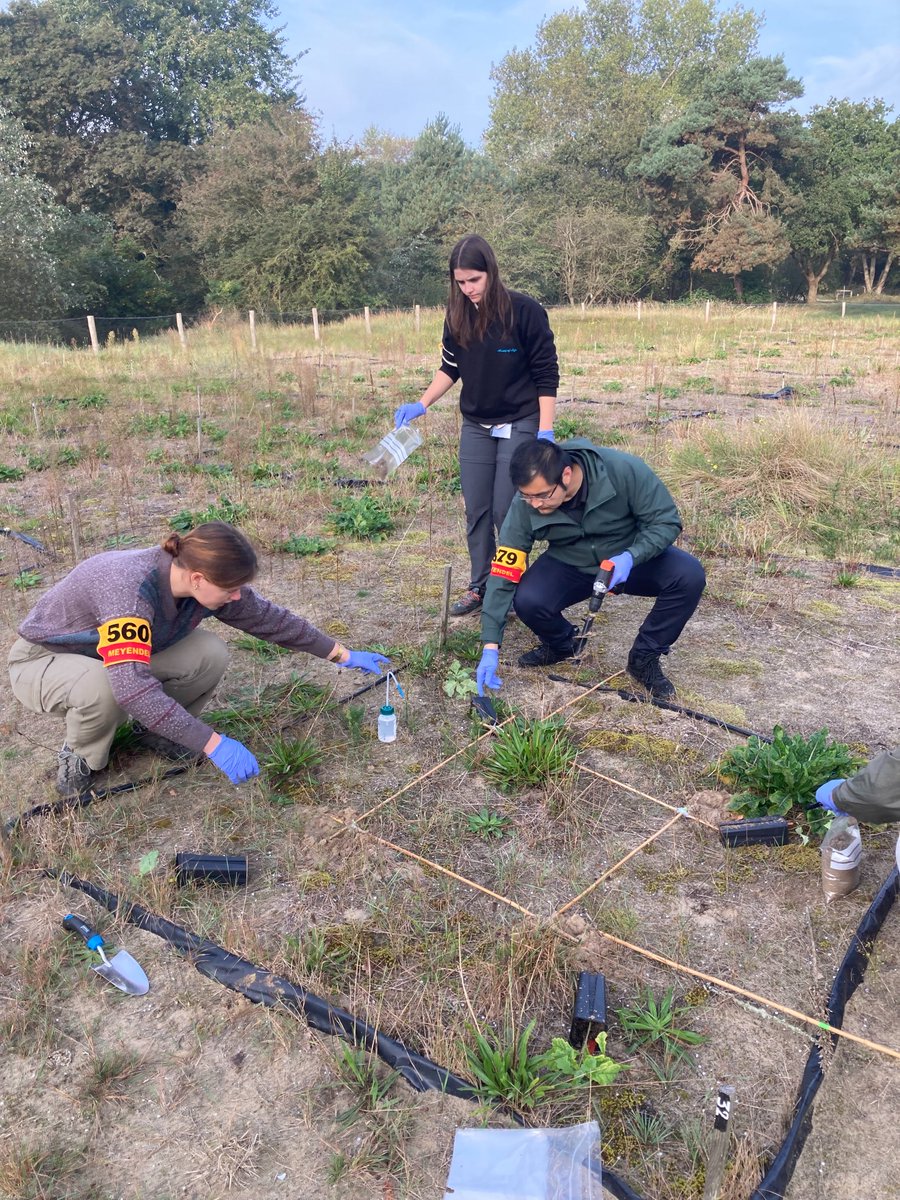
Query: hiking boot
(164, 746)
(468, 602)
(73, 776)
(646, 670)
(545, 655)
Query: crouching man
(589, 503)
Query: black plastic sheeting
(848, 978)
(262, 987)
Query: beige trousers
(78, 687)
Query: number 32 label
(509, 563)
(124, 639)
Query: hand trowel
(122, 971)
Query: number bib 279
(509, 563)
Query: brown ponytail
(221, 553)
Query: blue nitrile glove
(546, 435)
(823, 796)
(365, 660)
(622, 564)
(408, 412)
(234, 760)
(486, 675)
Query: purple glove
(546, 435)
(823, 796)
(486, 674)
(365, 660)
(408, 412)
(234, 760)
(622, 563)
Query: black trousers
(549, 586)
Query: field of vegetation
(449, 887)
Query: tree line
(155, 158)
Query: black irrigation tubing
(846, 981)
(632, 698)
(55, 807)
(260, 986)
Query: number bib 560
(509, 563)
(124, 639)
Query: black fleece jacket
(503, 375)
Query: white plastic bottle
(393, 449)
(387, 724)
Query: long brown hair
(468, 323)
(221, 553)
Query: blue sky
(398, 63)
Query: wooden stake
(315, 317)
(92, 330)
(707, 312)
(639, 310)
(179, 321)
(418, 318)
(719, 1140)
(72, 510)
(252, 328)
(774, 313)
(843, 309)
(445, 605)
(368, 321)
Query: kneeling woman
(119, 637)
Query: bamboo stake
(671, 807)
(622, 861)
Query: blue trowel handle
(78, 925)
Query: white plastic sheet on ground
(526, 1164)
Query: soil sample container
(393, 449)
(841, 856)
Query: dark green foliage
(649, 1021)
(781, 777)
(527, 753)
(291, 761)
(11, 474)
(259, 648)
(225, 510)
(304, 546)
(363, 518)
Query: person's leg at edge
(477, 469)
(544, 591)
(190, 670)
(504, 492)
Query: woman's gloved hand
(486, 675)
(365, 660)
(546, 435)
(234, 760)
(407, 413)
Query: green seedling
(649, 1021)
(259, 648)
(11, 474)
(488, 824)
(291, 761)
(525, 753)
(363, 518)
(459, 683)
(305, 547)
(25, 580)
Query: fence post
(639, 310)
(180, 323)
(707, 313)
(92, 330)
(445, 604)
(582, 308)
(418, 314)
(315, 317)
(368, 321)
(774, 313)
(253, 328)
(843, 309)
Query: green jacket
(874, 794)
(628, 508)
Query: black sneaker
(73, 776)
(545, 655)
(468, 602)
(646, 670)
(164, 746)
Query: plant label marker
(718, 1142)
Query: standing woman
(499, 343)
(120, 636)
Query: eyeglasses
(540, 497)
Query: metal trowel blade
(125, 973)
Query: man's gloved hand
(408, 412)
(365, 660)
(234, 760)
(823, 796)
(486, 675)
(622, 564)
(546, 435)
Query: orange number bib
(509, 563)
(124, 639)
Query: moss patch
(730, 668)
(645, 746)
